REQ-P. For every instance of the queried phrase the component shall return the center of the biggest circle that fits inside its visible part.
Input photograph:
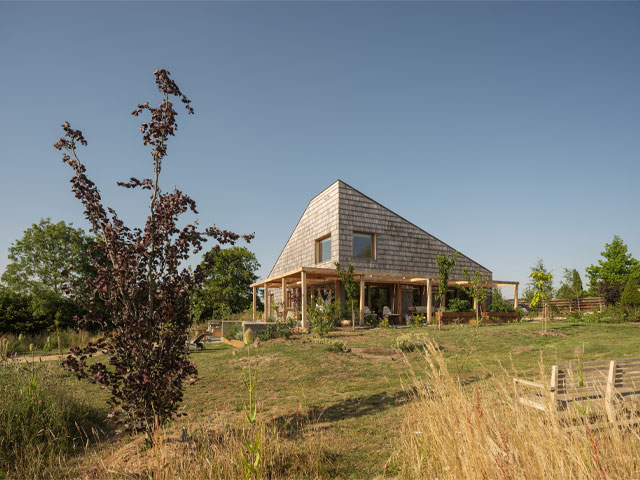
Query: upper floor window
(364, 245)
(323, 249)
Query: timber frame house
(394, 260)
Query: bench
(603, 387)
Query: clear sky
(511, 131)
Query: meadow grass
(337, 414)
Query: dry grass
(287, 451)
(458, 431)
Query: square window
(364, 245)
(323, 249)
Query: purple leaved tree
(141, 281)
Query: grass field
(327, 414)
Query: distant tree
(45, 250)
(229, 274)
(542, 293)
(614, 269)
(143, 282)
(445, 265)
(630, 298)
(37, 262)
(532, 286)
(351, 289)
(571, 287)
(476, 289)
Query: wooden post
(429, 295)
(255, 306)
(284, 300)
(361, 300)
(305, 320)
(266, 302)
(336, 291)
(400, 301)
(515, 296)
(609, 396)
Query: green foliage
(39, 259)
(277, 329)
(384, 323)
(542, 292)
(630, 298)
(42, 422)
(350, 287)
(410, 342)
(458, 305)
(251, 435)
(227, 289)
(446, 265)
(532, 285)
(616, 266)
(322, 316)
(234, 332)
(334, 345)
(571, 287)
(418, 319)
(475, 288)
(498, 303)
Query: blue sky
(509, 130)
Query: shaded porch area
(291, 292)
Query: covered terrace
(383, 287)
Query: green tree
(571, 287)
(631, 297)
(227, 289)
(476, 289)
(39, 259)
(350, 288)
(48, 257)
(531, 287)
(541, 293)
(446, 265)
(498, 303)
(615, 268)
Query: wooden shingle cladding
(401, 247)
(319, 219)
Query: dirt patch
(521, 348)
(379, 354)
(255, 361)
(552, 333)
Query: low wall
(256, 327)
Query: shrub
(418, 319)
(277, 329)
(323, 316)
(234, 332)
(631, 297)
(458, 305)
(384, 323)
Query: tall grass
(11, 345)
(215, 453)
(41, 423)
(455, 431)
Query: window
(323, 249)
(364, 245)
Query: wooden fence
(586, 304)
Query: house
(394, 260)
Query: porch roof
(320, 276)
